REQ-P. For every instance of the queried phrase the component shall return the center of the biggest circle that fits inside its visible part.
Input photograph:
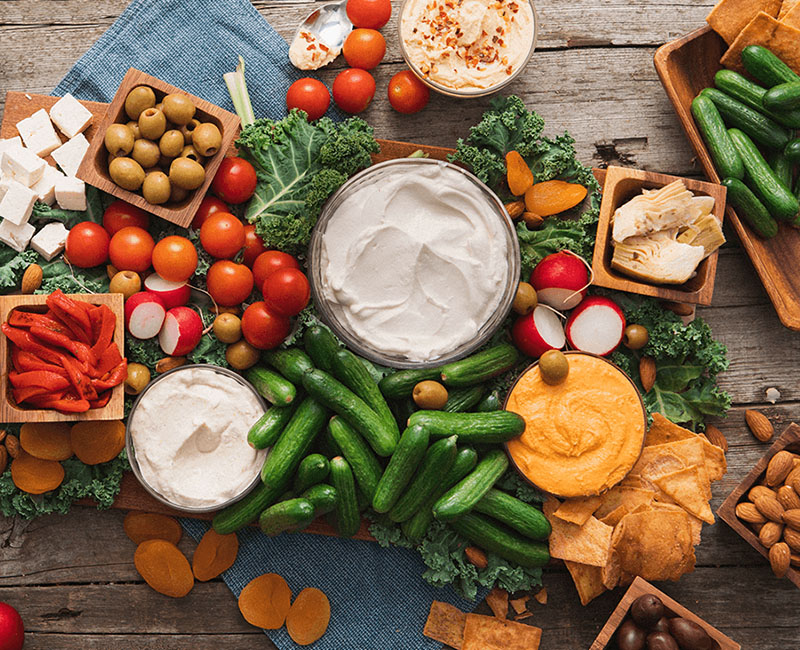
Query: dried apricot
(98, 442)
(308, 617)
(46, 440)
(143, 526)
(552, 197)
(518, 174)
(214, 554)
(164, 567)
(34, 475)
(265, 600)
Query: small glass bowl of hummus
(467, 48)
(414, 263)
(186, 438)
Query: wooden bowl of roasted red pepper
(62, 357)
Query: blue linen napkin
(379, 600)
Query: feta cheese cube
(22, 165)
(69, 155)
(45, 188)
(71, 193)
(16, 236)
(70, 116)
(4, 185)
(17, 203)
(9, 143)
(50, 240)
(38, 133)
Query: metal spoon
(329, 23)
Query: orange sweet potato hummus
(581, 436)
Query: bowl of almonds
(765, 507)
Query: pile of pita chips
(649, 524)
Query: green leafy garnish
(13, 265)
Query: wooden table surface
(72, 577)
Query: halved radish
(182, 331)
(537, 332)
(144, 314)
(596, 325)
(560, 280)
(172, 294)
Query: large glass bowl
(328, 311)
(466, 92)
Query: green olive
(526, 300)
(188, 130)
(178, 108)
(187, 173)
(228, 328)
(133, 125)
(125, 282)
(207, 139)
(553, 367)
(241, 355)
(138, 378)
(139, 99)
(118, 139)
(635, 337)
(430, 395)
(146, 153)
(190, 152)
(164, 162)
(127, 173)
(171, 143)
(111, 157)
(160, 106)
(177, 194)
(152, 124)
(156, 188)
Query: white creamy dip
(189, 433)
(415, 262)
(307, 52)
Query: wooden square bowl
(640, 587)
(621, 185)
(10, 411)
(789, 439)
(94, 167)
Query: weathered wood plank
(43, 641)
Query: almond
(770, 508)
(12, 445)
(168, 363)
(759, 425)
(770, 533)
(647, 373)
(31, 279)
(476, 556)
(792, 518)
(3, 459)
(2, 434)
(757, 527)
(794, 479)
(760, 490)
(532, 220)
(111, 271)
(780, 556)
(749, 513)
(788, 498)
(795, 559)
(679, 308)
(515, 209)
(716, 437)
(778, 468)
(792, 538)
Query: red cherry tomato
(208, 206)
(286, 291)
(253, 245)
(364, 48)
(229, 283)
(120, 215)
(373, 14)
(353, 90)
(131, 249)
(263, 329)
(269, 262)
(235, 180)
(222, 235)
(309, 95)
(407, 94)
(87, 244)
(175, 258)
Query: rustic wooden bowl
(94, 168)
(10, 411)
(639, 587)
(621, 185)
(789, 439)
(685, 67)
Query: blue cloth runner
(379, 600)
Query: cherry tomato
(208, 206)
(131, 249)
(222, 235)
(229, 283)
(286, 291)
(353, 90)
(309, 95)
(175, 258)
(235, 180)
(364, 48)
(263, 329)
(120, 215)
(269, 262)
(373, 14)
(87, 244)
(253, 245)
(407, 94)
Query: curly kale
(13, 265)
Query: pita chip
(729, 17)
(490, 633)
(587, 544)
(445, 624)
(577, 511)
(588, 580)
(786, 8)
(687, 489)
(662, 431)
(764, 30)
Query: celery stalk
(237, 87)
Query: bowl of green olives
(158, 147)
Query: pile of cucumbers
(337, 449)
(744, 124)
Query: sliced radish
(144, 314)
(537, 332)
(172, 294)
(596, 325)
(560, 280)
(182, 331)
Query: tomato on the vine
(175, 258)
(286, 291)
(407, 94)
(364, 48)
(87, 244)
(271, 261)
(309, 95)
(131, 249)
(353, 90)
(235, 180)
(229, 283)
(208, 206)
(262, 328)
(222, 235)
(253, 245)
(373, 14)
(120, 215)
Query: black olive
(661, 626)
(647, 610)
(689, 635)
(661, 641)
(630, 637)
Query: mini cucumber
(401, 384)
(480, 367)
(346, 514)
(750, 208)
(357, 452)
(437, 462)
(313, 469)
(783, 167)
(268, 427)
(404, 461)
(293, 514)
(766, 67)
(792, 151)
(494, 538)
(327, 446)
(321, 345)
(491, 402)
(463, 496)
(757, 125)
(290, 362)
(783, 97)
(271, 386)
(402, 409)
(752, 95)
(520, 516)
(494, 426)
(322, 496)
(463, 399)
(723, 153)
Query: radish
(172, 294)
(182, 331)
(144, 314)
(560, 280)
(537, 332)
(596, 325)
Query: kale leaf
(13, 265)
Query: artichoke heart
(705, 231)
(658, 258)
(653, 211)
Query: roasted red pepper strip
(81, 382)
(80, 334)
(115, 378)
(81, 351)
(24, 340)
(41, 400)
(24, 394)
(109, 360)
(43, 378)
(66, 405)
(101, 401)
(96, 319)
(106, 332)
(71, 308)
(19, 318)
(25, 361)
